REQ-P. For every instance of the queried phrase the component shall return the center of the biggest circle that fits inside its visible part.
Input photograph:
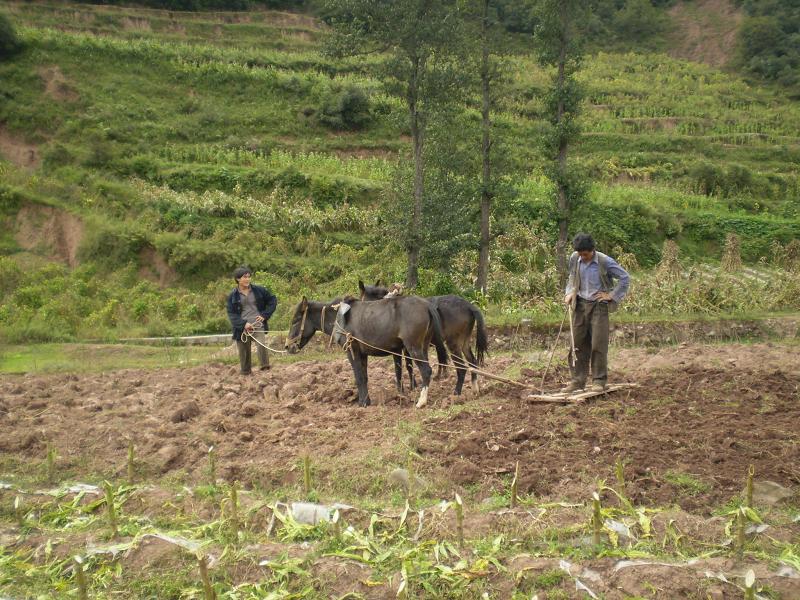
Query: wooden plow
(579, 396)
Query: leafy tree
(557, 44)
(417, 38)
(769, 40)
(491, 48)
(639, 21)
(9, 42)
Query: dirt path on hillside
(17, 151)
(704, 411)
(705, 31)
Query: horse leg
(440, 368)
(421, 354)
(398, 373)
(359, 364)
(410, 369)
(367, 401)
(461, 370)
(476, 388)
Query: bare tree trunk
(486, 144)
(414, 235)
(563, 200)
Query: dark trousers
(590, 326)
(245, 352)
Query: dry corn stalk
(732, 254)
(669, 267)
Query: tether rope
(350, 338)
(246, 334)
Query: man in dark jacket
(249, 308)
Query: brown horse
(458, 317)
(406, 324)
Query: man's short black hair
(243, 270)
(582, 241)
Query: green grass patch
(687, 483)
(44, 358)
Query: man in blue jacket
(595, 287)
(249, 308)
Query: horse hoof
(423, 397)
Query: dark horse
(458, 317)
(406, 324)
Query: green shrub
(58, 155)
(10, 275)
(113, 245)
(345, 108)
(10, 44)
(706, 178)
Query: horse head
(372, 292)
(301, 329)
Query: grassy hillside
(149, 152)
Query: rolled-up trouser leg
(599, 343)
(245, 358)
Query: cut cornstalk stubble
(212, 466)
(597, 519)
(112, 511)
(208, 590)
(514, 486)
(80, 578)
(307, 474)
(131, 462)
(51, 463)
(748, 495)
(459, 506)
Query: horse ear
(361, 286)
(304, 303)
(377, 282)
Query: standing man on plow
(591, 296)
(249, 308)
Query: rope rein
(246, 334)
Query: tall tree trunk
(417, 132)
(486, 144)
(561, 166)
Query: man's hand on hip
(603, 297)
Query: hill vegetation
(150, 152)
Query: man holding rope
(591, 296)
(249, 308)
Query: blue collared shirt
(590, 279)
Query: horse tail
(481, 335)
(438, 338)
